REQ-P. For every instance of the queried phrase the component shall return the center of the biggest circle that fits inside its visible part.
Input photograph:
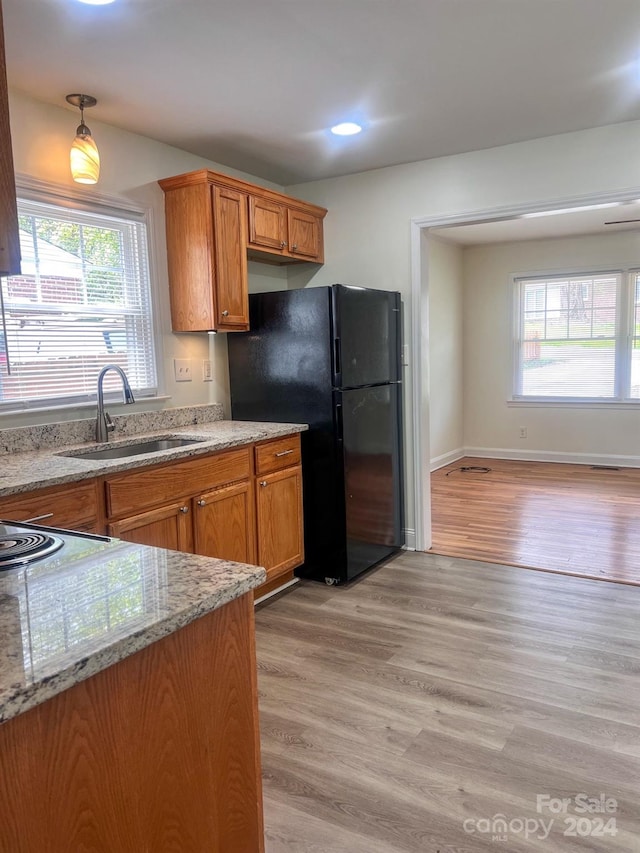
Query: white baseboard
(409, 539)
(609, 459)
(447, 458)
(276, 591)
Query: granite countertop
(94, 603)
(35, 464)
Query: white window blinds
(82, 301)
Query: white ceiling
(254, 84)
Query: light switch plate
(182, 369)
(207, 370)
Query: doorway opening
(480, 416)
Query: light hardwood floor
(562, 518)
(438, 690)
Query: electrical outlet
(523, 432)
(182, 369)
(207, 370)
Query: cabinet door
(279, 506)
(305, 235)
(224, 523)
(267, 224)
(166, 527)
(9, 239)
(231, 276)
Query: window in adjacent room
(578, 337)
(82, 301)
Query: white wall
(367, 228)
(445, 349)
(130, 168)
(489, 422)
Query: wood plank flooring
(561, 518)
(436, 691)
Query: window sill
(611, 405)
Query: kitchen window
(577, 337)
(83, 300)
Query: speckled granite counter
(27, 470)
(94, 603)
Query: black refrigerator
(330, 357)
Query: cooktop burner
(18, 548)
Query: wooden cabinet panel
(72, 507)
(167, 527)
(224, 523)
(128, 493)
(231, 281)
(277, 454)
(9, 237)
(189, 229)
(159, 752)
(305, 235)
(267, 224)
(279, 516)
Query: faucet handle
(110, 424)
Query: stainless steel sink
(119, 451)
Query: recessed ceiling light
(96, 2)
(347, 128)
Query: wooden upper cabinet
(305, 235)
(232, 285)
(284, 230)
(9, 237)
(214, 222)
(267, 224)
(206, 254)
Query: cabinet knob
(294, 247)
(225, 313)
(283, 244)
(184, 509)
(202, 502)
(263, 483)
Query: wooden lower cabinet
(74, 507)
(224, 523)
(279, 521)
(166, 527)
(159, 752)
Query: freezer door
(366, 327)
(372, 453)
(281, 369)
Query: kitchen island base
(159, 752)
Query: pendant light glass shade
(84, 157)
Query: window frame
(624, 328)
(29, 189)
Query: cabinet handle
(294, 248)
(225, 313)
(283, 453)
(263, 483)
(37, 518)
(184, 509)
(202, 502)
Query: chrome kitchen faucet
(104, 424)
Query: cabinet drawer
(71, 507)
(166, 483)
(277, 454)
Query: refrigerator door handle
(339, 422)
(337, 368)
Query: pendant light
(84, 156)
